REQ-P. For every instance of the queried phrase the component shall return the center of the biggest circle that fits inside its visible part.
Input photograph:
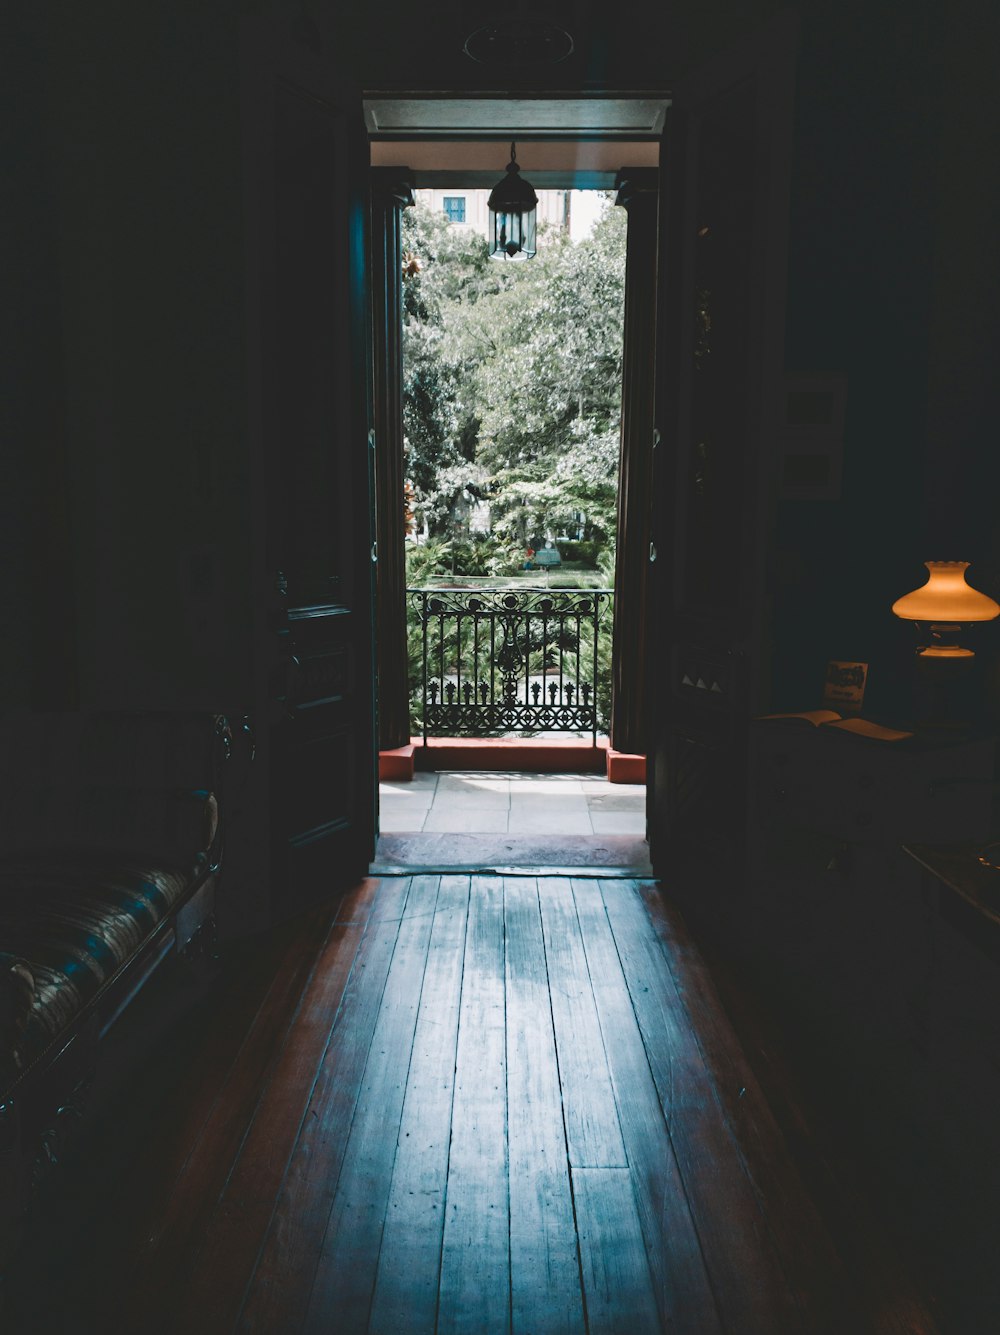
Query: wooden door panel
(724, 170)
(316, 799)
(316, 802)
(307, 206)
(721, 446)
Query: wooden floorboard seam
(476, 1237)
(801, 1252)
(408, 1265)
(364, 924)
(537, 1091)
(593, 1129)
(740, 1242)
(855, 1282)
(506, 1101)
(266, 1083)
(266, 1301)
(678, 1267)
(451, 1114)
(787, 1268)
(217, 1283)
(684, 1186)
(231, 1004)
(246, 1043)
(212, 1295)
(347, 1268)
(398, 921)
(562, 1103)
(579, 1250)
(178, 1232)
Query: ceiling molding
(541, 180)
(572, 161)
(491, 116)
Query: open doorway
(503, 494)
(313, 410)
(512, 378)
(509, 451)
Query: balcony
(512, 661)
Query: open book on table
(829, 718)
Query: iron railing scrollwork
(510, 660)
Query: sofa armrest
(210, 848)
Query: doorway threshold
(581, 854)
(574, 873)
(551, 754)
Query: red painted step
(531, 755)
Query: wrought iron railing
(500, 661)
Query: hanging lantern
(512, 205)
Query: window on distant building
(454, 207)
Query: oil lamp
(945, 604)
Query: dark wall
(36, 593)
(891, 263)
(858, 303)
(963, 478)
(132, 136)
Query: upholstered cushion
(72, 787)
(68, 922)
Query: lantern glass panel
(513, 235)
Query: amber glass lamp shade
(946, 602)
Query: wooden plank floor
(457, 1104)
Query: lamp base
(946, 689)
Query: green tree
(445, 272)
(513, 380)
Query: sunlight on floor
(505, 802)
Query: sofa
(110, 847)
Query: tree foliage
(512, 381)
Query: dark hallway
(190, 431)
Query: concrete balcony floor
(508, 818)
